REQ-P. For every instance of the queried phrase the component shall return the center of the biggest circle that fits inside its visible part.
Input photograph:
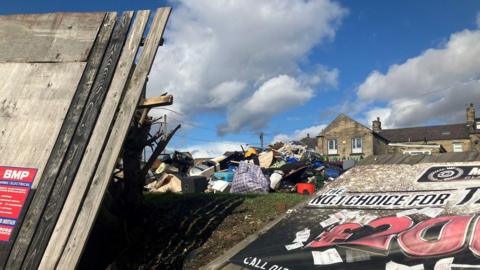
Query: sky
(287, 68)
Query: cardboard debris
(265, 159)
(167, 183)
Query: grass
(262, 206)
(189, 230)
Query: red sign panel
(15, 184)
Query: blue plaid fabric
(249, 178)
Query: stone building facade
(345, 138)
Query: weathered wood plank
(94, 197)
(53, 37)
(62, 142)
(34, 99)
(77, 147)
(95, 145)
(156, 102)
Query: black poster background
(270, 247)
(450, 173)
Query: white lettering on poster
(386, 201)
(258, 263)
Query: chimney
(308, 135)
(377, 125)
(471, 115)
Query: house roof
(429, 133)
(309, 142)
(338, 118)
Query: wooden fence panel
(70, 122)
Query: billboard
(421, 216)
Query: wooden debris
(67, 97)
(156, 102)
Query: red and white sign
(15, 185)
(17, 174)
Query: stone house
(345, 138)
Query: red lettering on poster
(475, 239)
(451, 238)
(381, 240)
(14, 188)
(331, 237)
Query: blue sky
(351, 40)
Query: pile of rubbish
(282, 167)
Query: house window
(332, 147)
(357, 146)
(457, 147)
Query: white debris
(447, 264)
(302, 236)
(294, 246)
(431, 212)
(220, 185)
(396, 266)
(365, 219)
(341, 216)
(444, 264)
(407, 212)
(330, 221)
(329, 256)
(350, 214)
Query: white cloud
(220, 54)
(298, 134)
(434, 86)
(213, 149)
(272, 97)
(225, 93)
(382, 113)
